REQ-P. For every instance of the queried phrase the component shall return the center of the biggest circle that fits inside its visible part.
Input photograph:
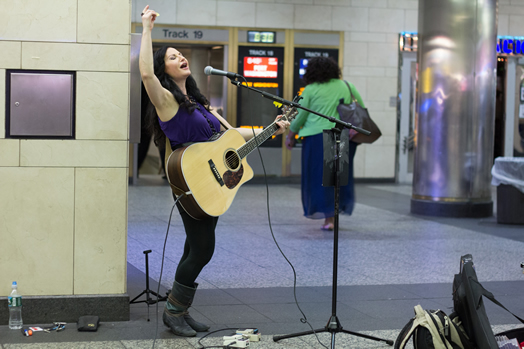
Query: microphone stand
(333, 326)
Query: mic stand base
(333, 326)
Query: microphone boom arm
(278, 99)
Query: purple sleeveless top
(189, 127)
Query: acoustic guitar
(208, 174)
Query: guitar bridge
(217, 175)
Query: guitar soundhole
(232, 160)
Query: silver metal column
(511, 118)
(456, 108)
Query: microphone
(209, 70)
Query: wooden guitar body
(206, 176)
(209, 174)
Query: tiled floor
(388, 261)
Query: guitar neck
(252, 144)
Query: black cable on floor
(215, 346)
(162, 269)
(304, 319)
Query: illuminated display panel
(261, 37)
(302, 67)
(261, 67)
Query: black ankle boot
(177, 324)
(174, 314)
(195, 325)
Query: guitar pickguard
(231, 179)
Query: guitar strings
(231, 160)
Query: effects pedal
(252, 334)
(236, 341)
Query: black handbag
(358, 116)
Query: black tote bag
(358, 116)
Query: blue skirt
(319, 201)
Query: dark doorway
(500, 108)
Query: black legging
(198, 248)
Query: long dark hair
(169, 84)
(321, 69)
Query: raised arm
(161, 98)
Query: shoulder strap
(169, 150)
(405, 334)
(491, 297)
(221, 123)
(350, 94)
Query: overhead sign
(507, 45)
(187, 34)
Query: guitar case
(468, 303)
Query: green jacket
(322, 98)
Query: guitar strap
(221, 123)
(169, 150)
(176, 190)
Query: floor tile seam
(233, 296)
(256, 311)
(430, 218)
(433, 219)
(456, 225)
(348, 301)
(327, 299)
(401, 287)
(289, 246)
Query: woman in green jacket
(322, 93)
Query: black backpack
(433, 329)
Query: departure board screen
(261, 67)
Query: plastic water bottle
(15, 308)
